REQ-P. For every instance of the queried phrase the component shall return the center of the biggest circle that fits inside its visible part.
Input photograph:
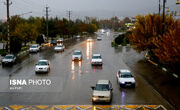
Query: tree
(3, 31)
(26, 31)
(146, 29)
(168, 48)
(40, 39)
(15, 44)
(126, 20)
(91, 28)
(162, 46)
(14, 21)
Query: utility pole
(8, 19)
(69, 15)
(163, 22)
(159, 7)
(47, 10)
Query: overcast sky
(81, 8)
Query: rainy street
(76, 78)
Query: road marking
(83, 107)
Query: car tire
(121, 86)
(110, 101)
(134, 85)
(93, 103)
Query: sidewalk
(167, 85)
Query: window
(102, 87)
(126, 75)
(8, 57)
(77, 53)
(42, 63)
(96, 57)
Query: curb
(162, 68)
(23, 53)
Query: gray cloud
(81, 8)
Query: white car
(96, 59)
(102, 92)
(60, 40)
(59, 48)
(34, 48)
(8, 59)
(89, 39)
(99, 38)
(77, 55)
(125, 78)
(43, 66)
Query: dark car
(53, 42)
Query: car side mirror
(92, 87)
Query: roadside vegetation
(24, 31)
(122, 39)
(163, 46)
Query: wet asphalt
(76, 78)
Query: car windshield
(77, 53)
(126, 75)
(8, 57)
(34, 46)
(102, 87)
(59, 46)
(96, 57)
(42, 63)
(53, 41)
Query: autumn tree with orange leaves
(163, 46)
(168, 49)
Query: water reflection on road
(89, 49)
(76, 69)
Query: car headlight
(122, 82)
(94, 98)
(45, 68)
(133, 82)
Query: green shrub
(113, 44)
(40, 40)
(119, 40)
(122, 39)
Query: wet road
(76, 78)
